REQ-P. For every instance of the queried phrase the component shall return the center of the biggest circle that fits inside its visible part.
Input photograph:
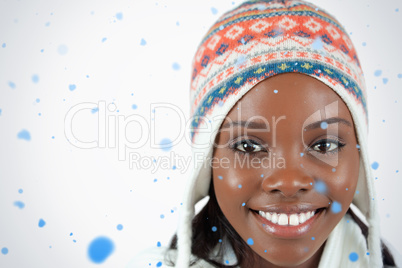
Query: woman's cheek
(341, 185)
(229, 184)
(234, 186)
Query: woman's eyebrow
(329, 121)
(248, 124)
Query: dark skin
(309, 154)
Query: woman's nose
(288, 182)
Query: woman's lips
(287, 219)
(288, 225)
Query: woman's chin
(289, 259)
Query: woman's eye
(248, 147)
(326, 146)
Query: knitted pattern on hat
(264, 38)
(257, 40)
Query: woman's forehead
(294, 95)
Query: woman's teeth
(285, 219)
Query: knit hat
(257, 40)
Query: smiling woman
(279, 107)
(288, 219)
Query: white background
(88, 192)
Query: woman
(280, 116)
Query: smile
(286, 219)
(288, 225)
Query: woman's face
(286, 150)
